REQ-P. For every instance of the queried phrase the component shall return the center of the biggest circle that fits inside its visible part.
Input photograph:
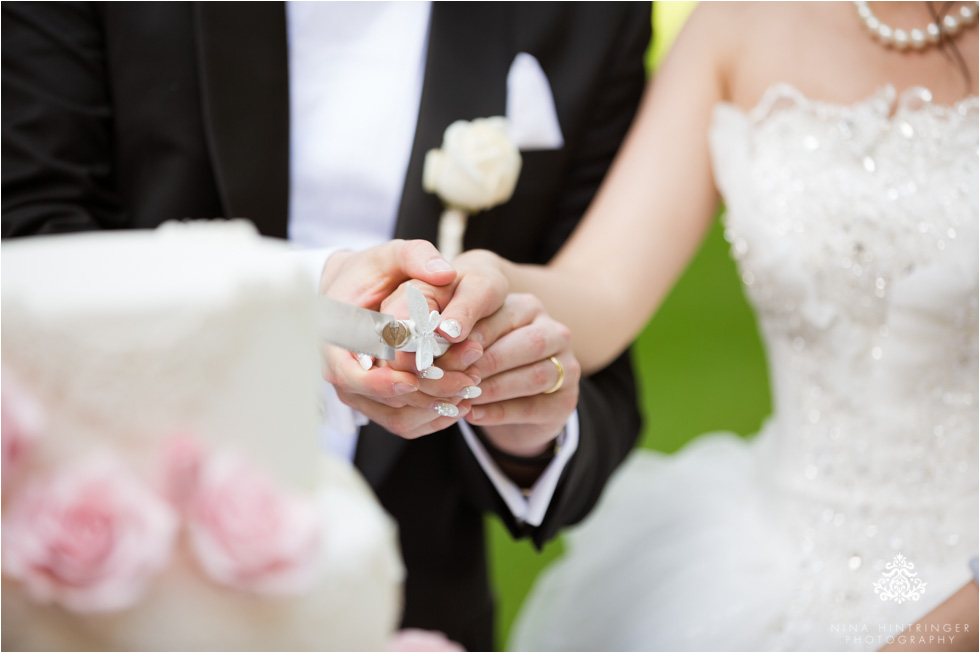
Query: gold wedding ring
(561, 376)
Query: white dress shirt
(355, 84)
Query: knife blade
(356, 329)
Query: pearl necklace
(916, 39)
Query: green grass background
(699, 364)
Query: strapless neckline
(885, 100)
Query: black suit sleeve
(609, 418)
(57, 121)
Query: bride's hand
(478, 291)
(394, 394)
(526, 397)
(520, 398)
(481, 278)
(366, 279)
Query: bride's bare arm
(955, 619)
(649, 216)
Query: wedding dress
(855, 510)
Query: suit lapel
(465, 78)
(244, 61)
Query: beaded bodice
(855, 232)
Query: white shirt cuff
(339, 424)
(313, 261)
(529, 509)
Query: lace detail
(855, 232)
(883, 101)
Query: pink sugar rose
(249, 534)
(89, 538)
(21, 422)
(414, 639)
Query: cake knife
(360, 330)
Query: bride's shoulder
(754, 16)
(722, 22)
(730, 31)
(757, 26)
(735, 22)
(759, 42)
(714, 30)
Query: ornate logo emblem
(899, 582)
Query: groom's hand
(393, 394)
(511, 401)
(526, 398)
(366, 279)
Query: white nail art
(471, 392)
(451, 328)
(432, 372)
(366, 361)
(445, 409)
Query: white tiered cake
(162, 483)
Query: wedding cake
(163, 487)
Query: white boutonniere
(475, 169)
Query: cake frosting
(163, 487)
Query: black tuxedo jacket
(125, 115)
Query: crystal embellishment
(856, 257)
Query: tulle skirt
(688, 552)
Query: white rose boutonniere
(475, 169)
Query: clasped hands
(498, 373)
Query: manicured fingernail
(451, 328)
(471, 392)
(365, 361)
(476, 379)
(471, 357)
(476, 337)
(438, 265)
(432, 372)
(445, 409)
(477, 413)
(404, 388)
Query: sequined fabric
(855, 233)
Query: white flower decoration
(423, 329)
(475, 169)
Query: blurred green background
(699, 364)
